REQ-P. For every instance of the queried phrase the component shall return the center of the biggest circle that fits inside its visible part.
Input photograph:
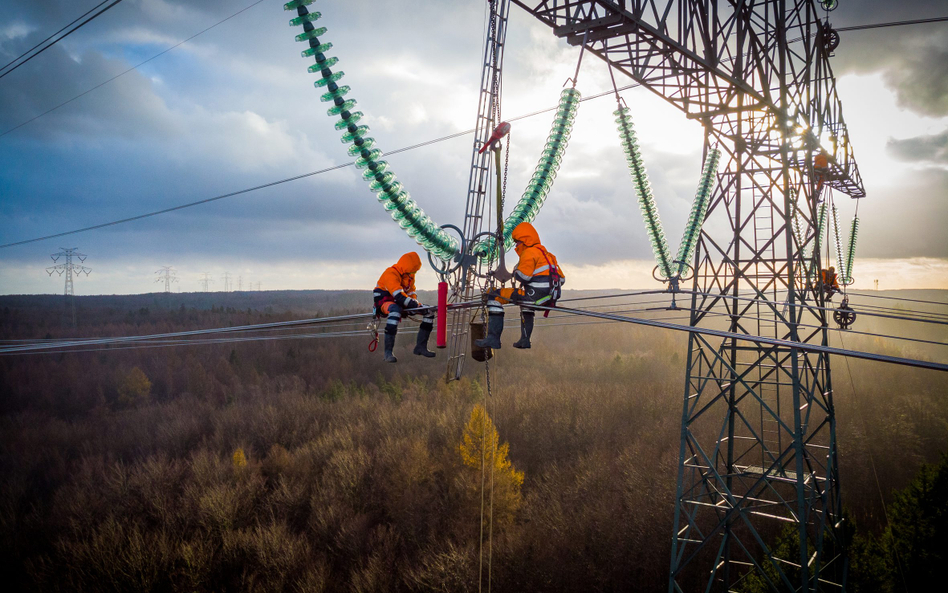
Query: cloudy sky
(235, 108)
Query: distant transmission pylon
(68, 268)
(167, 275)
(206, 280)
(226, 281)
(240, 283)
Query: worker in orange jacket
(540, 278)
(394, 294)
(830, 282)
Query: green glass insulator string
(812, 269)
(699, 208)
(839, 246)
(798, 232)
(667, 268)
(820, 227)
(540, 183)
(382, 180)
(847, 275)
(797, 225)
(643, 190)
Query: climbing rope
(488, 398)
(486, 486)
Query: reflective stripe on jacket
(534, 268)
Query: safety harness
(381, 297)
(554, 279)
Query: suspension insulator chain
(539, 186)
(839, 247)
(820, 227)
(797, 226)
(851, 252)
(389, 190)
(699, 208)
(643, 190)
(798, 234)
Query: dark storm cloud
(921, 80)
(930, 149)
(913, 58)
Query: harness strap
(554, 287)
(380, 300)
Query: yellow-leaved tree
(134, 389)
(481, 443)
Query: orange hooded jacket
(399, 280)
(535, 260)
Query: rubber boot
(421, 346)
(495, 327)
(526, 329)
(389, 346)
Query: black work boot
(421, 346)
(495, 327)
(389, 345)
(526, 329)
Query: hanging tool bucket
(479, 332)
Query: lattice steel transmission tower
(167, 275)
(226, 278)
(758, 433)
(206, 281)
(488, 116)
(68, 268)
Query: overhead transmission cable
(27, 52)
(936, 19)
(776, 304)
(199, 342)
(124, 72)
(172, 338)
(294, 178)
(281, 181)
(757, 339)
(58, 39)
(892, 298)
(296, 323)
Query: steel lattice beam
(488, 116)
(758, 443)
